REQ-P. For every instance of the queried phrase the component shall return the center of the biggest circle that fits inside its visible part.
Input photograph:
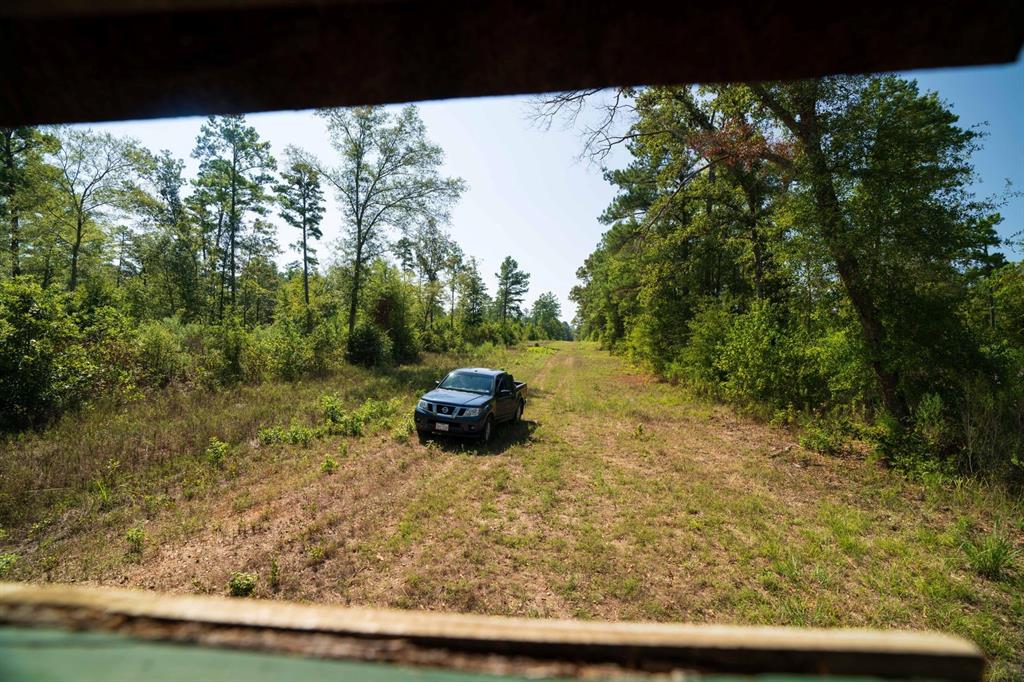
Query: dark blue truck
(470, 402)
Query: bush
(763, 360)
(162, 358)
(329, 465)
(216, 452)
(828, 436)
(368, 346)
(258, 361)
(696, 365)
(7, 562)
(228, 342)
(136, 539)
(293, 353)
(44, 366)
(242, 584)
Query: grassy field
(619, 497)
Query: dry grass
(620, 498)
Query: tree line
(119, 273)
(812, 250)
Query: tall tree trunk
(305, 266)
(10, 190)
(233, 221)
(857, 289)
(832, 224)
(357, 270)
(76, 248)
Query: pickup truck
(469, 402)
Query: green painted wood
(48, 655)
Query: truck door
(505, 401)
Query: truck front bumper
(428, 422)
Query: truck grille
(446, 410)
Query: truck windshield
(467, 381)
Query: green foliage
(697, 364)
(45, 367)
(845, 271)
(241, 584)
(274, 580)
(829, 436)
(762, 359)
(513, 284)
(136, 539)
(992, 556)
(271, 435)
(7, 561)
(368, 345)
(329, 465)
(216, 452)
(162, 357)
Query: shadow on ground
(504, 437)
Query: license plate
(440, 427)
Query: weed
(319, 553)
(275, 574)
(993, 556)
(403, 431)
(826, 436)
(271, 435)
(242, 502)
(329, 465)
(136, 539)
(216, 452)
(7, 562)
(104, 494)
(300, 435)
(241, 584)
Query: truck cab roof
(487, 371)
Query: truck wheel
(519, 413)
(485, 437)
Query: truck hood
(460, 398)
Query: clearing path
(618, 497)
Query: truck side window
(506, 383)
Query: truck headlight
(472, 411)
(422, 405)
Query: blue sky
(530, 198)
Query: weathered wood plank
(491, 644)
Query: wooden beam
(491, 644)
(70, 61)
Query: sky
(530, 197)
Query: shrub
(44, 366)
(162, 358)
(368, 346)
(300, 435)
(7, 562)
(763, 359)
(216, 452)
(258, 355)
(293, 354)
(828, 436)
(696, 365)
(329, 465)
(242, 584)
(136, 539)
(275, 574)
(228, 341)
(271, 435)
(332, 408)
